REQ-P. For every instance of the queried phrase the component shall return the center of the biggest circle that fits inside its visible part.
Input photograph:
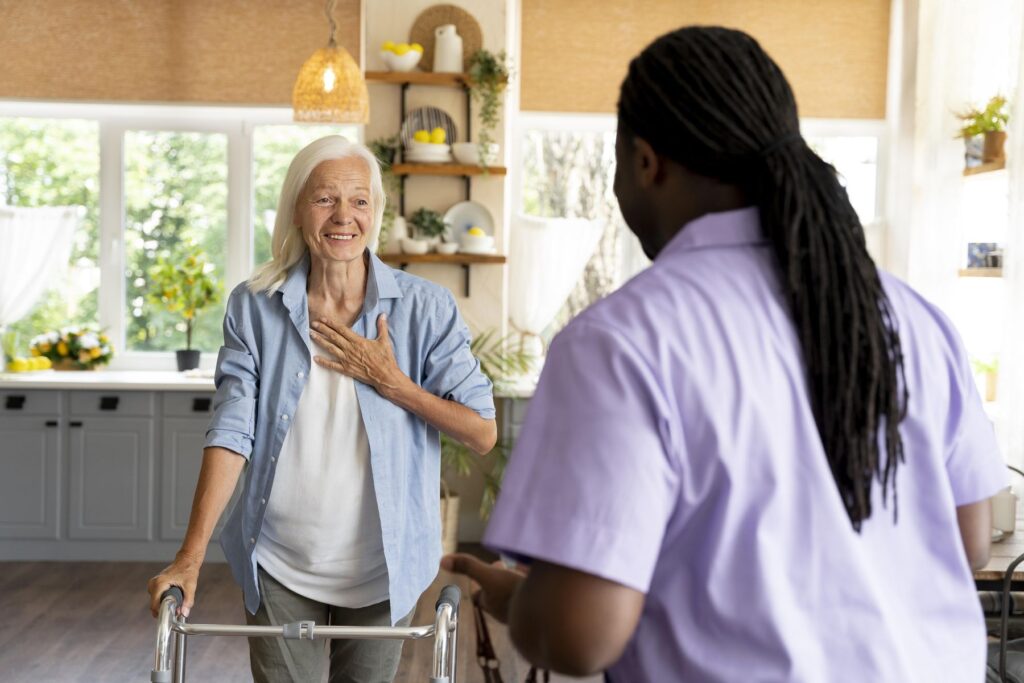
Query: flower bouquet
(74, 348)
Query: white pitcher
(447, 49)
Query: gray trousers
(276, 660)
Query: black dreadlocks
(712, 100)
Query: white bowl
(447, 248)
(411, 246)
(476, 243)
(406, 62)
(469, 153)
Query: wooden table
(990, 577)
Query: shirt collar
(380, 284)
(736, 228)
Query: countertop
(154, 380)
(124, 380)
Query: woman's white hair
(286, 245)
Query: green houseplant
(386, 151)
(428, 223)
(182, 282)
(501, 360)
(488, 75)
(990, 122)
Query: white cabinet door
(111, 478)
(30, 474)
(182, 458)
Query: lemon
(401, 48)
(438, 136)
(388, 46)
(416, 47)
(47, 363)
(18, 365)
(476, 232)
(421, 136)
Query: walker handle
(450, 595)
(174, 592)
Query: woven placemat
(422, 32)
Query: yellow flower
(62, 348)
(45, 347)
(96, 353)
(35, 351)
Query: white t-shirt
(321, 535)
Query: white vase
(447, 49)
(399, 230)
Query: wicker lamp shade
(330, 87)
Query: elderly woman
(338, 519)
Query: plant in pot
(386, 151)
(78, 347)
(429, 225)
(501, 360)
(182, 282)
(984, 131)
(990, 371)
(488, 76)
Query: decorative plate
(427, 118)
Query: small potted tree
(984, 131)
(182, 283)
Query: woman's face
(334, 211)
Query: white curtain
(35, 247)
(1011, 359)
(546, 258)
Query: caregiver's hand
(370, 361)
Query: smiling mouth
(340, 237)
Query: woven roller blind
(220, 51)
(835, 52)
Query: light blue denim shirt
(261, 373)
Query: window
(53, 162)
(171, 175)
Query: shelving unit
(986, 168)
(980, 272)
(467, 172)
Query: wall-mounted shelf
(451, 80)
(446, 169)
(464, 260)
(980, 272)
(986, 168)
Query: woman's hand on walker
(370, 361)
(183, 573)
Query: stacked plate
(427, 153)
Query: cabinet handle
(15, 402)
(109, 402)
(74, 424)
(200, 405)
(51, 423)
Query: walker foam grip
(175, 592)
(450, 595)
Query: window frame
(237, 124)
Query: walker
(169, 666)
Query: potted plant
(501, 360)
(386, 151)
(989, 123)
(78, 347)
(429, 225)
(488, 75)
(182, 283)
(990, 371)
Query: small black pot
(187, 360)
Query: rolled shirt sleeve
(233, 423)
(451, 371)
(592, 482)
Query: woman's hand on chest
(370, 361)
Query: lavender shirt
(670, 447)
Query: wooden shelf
(447, 169)
(981, 272)
(456, 259)
(464, 260)
(986, 168)
(417, 78)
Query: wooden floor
(90, 621)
